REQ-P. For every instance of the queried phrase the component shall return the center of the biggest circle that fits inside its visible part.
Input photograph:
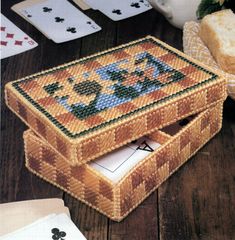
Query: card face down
(13, 40)
(59, 20)
(121, 9)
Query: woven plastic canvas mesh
(108, 96)
(117, 200)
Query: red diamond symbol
(18, 42)
(9, 35)
(3, 43)
(3, 29)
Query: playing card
(93, 4)
(28, 3)
(28, 226)
(13, 40)
(55, 227)
(118, 163)
(35, 203)
(19, 214)
(20, 219)
(81, 4)
(121, 9)
(59, 20)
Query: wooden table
(197, 202)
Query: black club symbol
(46, 9)
(58, 19)
(57, 234)
(71, 29)
(117, 11)
(136, 5)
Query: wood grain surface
(197, 202)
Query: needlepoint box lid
(94, 105)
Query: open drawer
(114, 192)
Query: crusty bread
(217, 31)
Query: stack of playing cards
(58, 20)
(118, 10)
(13, 40)
(37, 219)
(118, 163)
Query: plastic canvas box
(85, 115)
(117, 199)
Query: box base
(117, 200)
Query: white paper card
(121, 9)
(52, 227)
(59, 20)
(119, 162)
(13, 40)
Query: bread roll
(217, 31)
